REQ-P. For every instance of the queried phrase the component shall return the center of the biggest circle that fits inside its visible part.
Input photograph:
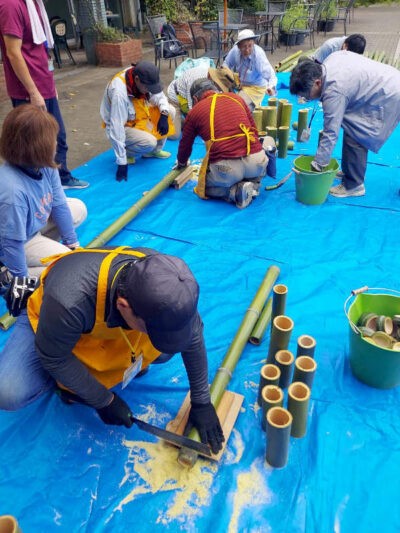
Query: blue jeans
(62, 147)
(22, 377)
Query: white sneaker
(340, 191)
(340, 174)
(244, 194)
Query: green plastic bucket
(312, 187)
(373, 365)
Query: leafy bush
(329, 11)
(294, 18)
(174, 10)
(107, 34)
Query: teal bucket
(373, 365)
(312, 188)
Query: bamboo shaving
(250, 491)
(255, 407)
(151, 468)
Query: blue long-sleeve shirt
(254, 69)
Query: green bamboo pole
(281, 101)
(269, 375)
(271, 396)
(284, 360)
(283, 139)
(304, 370)
(258, 118)
(272, 132)
(301, 123)
(279, 423)
(298, 401)
(6, 321)
(286, 114)
(224, 373)
(306, 345)
(282, 327)
(269, 117)
(262, 323)
(279, 296)
(287, 60)
(273, 101)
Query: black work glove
(5, 279)
(117, 413)
(179, 166)
(16, 296)
(122, 173)
(162, 125)
(205, 420)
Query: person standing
(256, 75)
(25, 40)
(358, 94)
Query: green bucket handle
(354, 293)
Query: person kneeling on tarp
(235, 161)
(98, 318)
(136, 115)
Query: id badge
(132, 371)
(51, 64)
(305, 135)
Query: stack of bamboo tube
(393, 61)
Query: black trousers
(354, 162)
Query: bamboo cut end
(306, 363)
(283, 323)
(272, 394)
(270, 372)
(279, 417)
(284, 357)
(306, 342)
(187, 458)
(299, 391)
(280, 289)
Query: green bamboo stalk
(224, 373)
(280, 105)
(6, 321)
(272, 131)
(279, 423)
(279, 295)
(269, 117)
(286, 114)
(283, 138)
(269, 375)
(271, 396)
(306, 345)
(261, 325)
(287, 60)
(273, 101)
(258, 118)
(301, 122)
(298, 401)
(284, 360)
(304, 370)
(282, 327)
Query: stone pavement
(81, 87)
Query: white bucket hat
(246, 34)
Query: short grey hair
(303, 77)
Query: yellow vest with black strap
(146, 115)
(200, 188)
(106, 352)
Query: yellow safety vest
(146, 115)
(200, 188)
(106, 352)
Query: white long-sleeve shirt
(117, 108)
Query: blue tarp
(63, 470)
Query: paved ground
(80, 88)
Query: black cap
(162, 291)
(149, 75)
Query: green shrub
(294, 18)
(108, 34)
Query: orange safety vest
(106, 352)
(200, 188)
(146, 115)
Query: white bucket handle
(354, 292)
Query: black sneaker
(74, 183)
(244, 194)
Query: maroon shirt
(228, 115)
(14, 21)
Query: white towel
(40, 33)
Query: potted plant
(293, 22)
(328, 15)
(114, 48)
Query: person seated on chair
(255, 72)
(97, 319)
(178, 91)
(136, 115)
(235, 161)
(35, 214)
(353, 43)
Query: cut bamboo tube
(269, 375)
(282, 327)
(301, 122)
(271, 396)
(304, 370)
(183, 178)
(224, 373)
(9, 524)
(287, 60)
(283, 138)
(261, 325)
(258, 118)
(306, 345)
(279, 295)
(281, 101)
(286, 114)
(269, 117)
(279, 423)
(272, 132)
(273, 101)
(284, 360)
(298, 401)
